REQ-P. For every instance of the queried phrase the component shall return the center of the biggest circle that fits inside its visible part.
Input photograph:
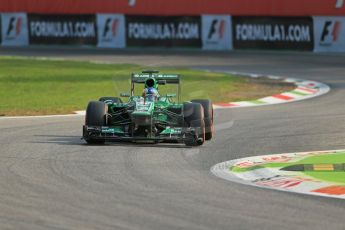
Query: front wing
(109, 133)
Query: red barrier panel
(178, 7)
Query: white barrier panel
(14, 29)
(111, 30)
(216, 32)
(329, 34)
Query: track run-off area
(51, 180)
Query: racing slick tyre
(112, 100)
(194, 117)
(208, 115)
(95, 116)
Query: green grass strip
(338, 158)
(30, 86)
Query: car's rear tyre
(111, 100)
(95, 116)
(194, 117)
(208, 116)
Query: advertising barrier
(156, 31)
(329, 34)
(282, 33)
(209, 32)
(111, 30)
(216, 32)
(62, 29)
(14, 30)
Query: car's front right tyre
(95, 116)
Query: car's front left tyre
(208, 117)
(194, 118)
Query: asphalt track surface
(51, 180)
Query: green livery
(149, 117)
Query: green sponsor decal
(111, 130)
(171, 131)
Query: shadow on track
(77, 140)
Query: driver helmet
(151, 89)
(151, 94)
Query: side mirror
(171, 95)
(124, 95)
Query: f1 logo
(131, 2)
(339, 4)
(217, 28)
(330, 32)
(14, 27)
(110, 28)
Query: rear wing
(167, 78)
(162, 79)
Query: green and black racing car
(149, 117)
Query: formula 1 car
(150, 117)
